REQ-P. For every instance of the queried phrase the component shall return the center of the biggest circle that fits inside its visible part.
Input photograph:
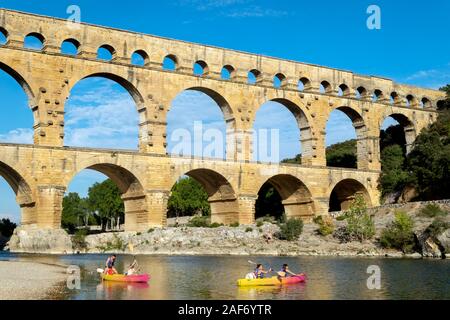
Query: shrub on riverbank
(79, 240)
(326, 225)
(399, 233)
(360, 225)
(432, 211)
(117, 244)
(291, 229)
(199, 222)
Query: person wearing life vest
(260, 272)
(109, 265)
(285, 272)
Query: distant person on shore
(110, 265)
(285, 272)
(260, 272)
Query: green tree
(429, 161)
(360, 225)
(105, 200)
(399, 233)
(393, 177)
(75, 212)
(188, 198)
(342, 154)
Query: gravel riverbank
(30, 280)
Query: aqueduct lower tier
(40, 176)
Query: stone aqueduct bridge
(40, 173)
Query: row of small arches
(36, 41)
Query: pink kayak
(136, 278)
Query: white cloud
(20, 135)
(256, 12)
(433, 78)
(103, 118)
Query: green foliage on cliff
(188, 198)
(7, 227)
(429, 161)
(399, 233)
(342, 154)
(394, 176)
(291, 229)
(359, 224)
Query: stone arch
(143, 55)
(359, 124)
(204, 68)
(304, 84)
(109, 49)
(408, 127)
(254, 76)
(72, 41)
(135, 93)
(23, 191)
(344, 90)
(295, 196)
(39, 37)
(170, 58)
(344, 192)
(304, 125)
(5, 34)
(222, 196)
(219, 99)
(21, 81)
(131, 188)
(327, 87)
(228, 70)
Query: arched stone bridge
(40, 173)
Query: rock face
(242, 240)
(26, 240)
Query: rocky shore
(30, 280)
(242, 240)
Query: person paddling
(110, 265)
(260, 272)
(285, 272)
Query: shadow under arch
(344, 192)
(408, 128)
(296, 197)
(221, 195)
(362, 143)
(131, 189)
(304, 125)
(23, 191)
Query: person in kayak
(132, 269)
(260, 272)
(110, 265)
(285, 272)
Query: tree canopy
(188, 198)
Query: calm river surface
(214, 277)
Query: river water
(214, 277)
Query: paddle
(99, 270)
(254, 263)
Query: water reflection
(214, 277)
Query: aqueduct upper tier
(39, 173)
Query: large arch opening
(101, 112)
(200, 123)
(16, 118)
(345, 192)
(17, 204)
(104, 197)
(284, 194)
(281, 133)
(345, 133)
(397, 134)
(204, 192)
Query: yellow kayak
(273, 281)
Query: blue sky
(411, 47)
